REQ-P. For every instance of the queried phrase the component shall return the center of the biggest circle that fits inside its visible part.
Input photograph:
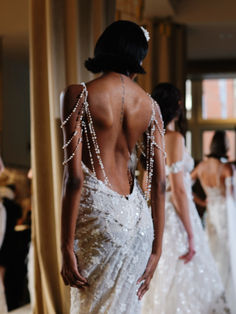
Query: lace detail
(176, 287)
(113, 241)
(151, 145)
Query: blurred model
(186, 279)
(216, 177)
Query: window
(189, 142)
(218, 98)
(188, 99)
(210, 105)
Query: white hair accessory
(146, 33)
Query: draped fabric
(57, 46)
(47, 78)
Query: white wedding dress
(113, 236)
(221, 212)
(113, 243)
(195, 287)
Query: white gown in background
(195, 287)
(113, 236)
(221, 213)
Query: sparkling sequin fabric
(176, 287)
(217, 230)
(113, 242)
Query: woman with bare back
(216, 177)
(111, 241)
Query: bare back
(212, 173)
(121, 113)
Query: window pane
(219, 99)
(188, 99)
(206, 140)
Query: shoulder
(174, 139)
(68, 97)
(199, 168)
(174, 146)
(227, 170)
(72, 91)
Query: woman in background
(186, 279)
(216, 177)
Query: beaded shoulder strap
(148, 150)
(78, 110)
(85, 122)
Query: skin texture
(174, 150)
(212, 173)
(116, 141)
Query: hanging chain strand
(80, 122)
(122, 100)
(151, 145)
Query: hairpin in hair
(146, 33)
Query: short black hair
(219, 145)
(168, 97)
(121, 48)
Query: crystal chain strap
(151, 145)
(80, 122)
(94, 141)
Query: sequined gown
(219, 205)
(176, 287)
(113, 237)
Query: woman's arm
(71, 188)
(175, 150)
(199, 201)
(158, 209)
(194, 173)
